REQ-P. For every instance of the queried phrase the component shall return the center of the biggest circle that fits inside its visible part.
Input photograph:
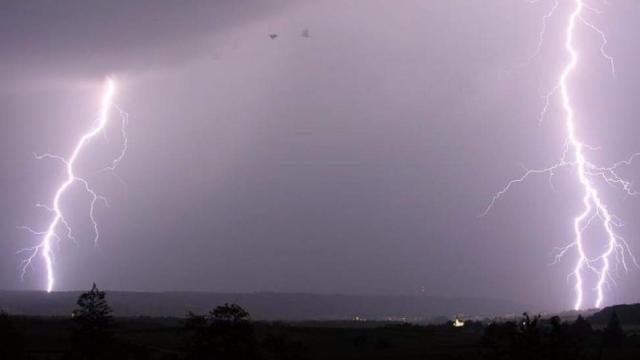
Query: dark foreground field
(228, 331)
(171, 338)
(146, 338)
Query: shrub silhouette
(225, 333)
(534, 338)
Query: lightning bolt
(44, 247)
(574, 155)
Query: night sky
(354, 160)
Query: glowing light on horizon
(593, 207)
(44, 247)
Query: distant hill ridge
(629, 314)
(264, 305)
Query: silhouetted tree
(533, 338)
(557, 335)
(510, 340)
(613, 334)
(571, 340)
(529, 331)
(92, 330)
(580, 332)
(11, 344)
(225, 333)
(581, 327)
(528, 338)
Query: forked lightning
(594, 210)
(44, 248)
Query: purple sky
(353, 161)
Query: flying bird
(305, 33)
(273, 36)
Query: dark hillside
(629, 315)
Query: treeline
(228, 332)
(535, 338)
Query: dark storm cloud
(85, 37)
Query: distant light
(458, 323)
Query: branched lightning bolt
(574, 156)
(44, 247)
